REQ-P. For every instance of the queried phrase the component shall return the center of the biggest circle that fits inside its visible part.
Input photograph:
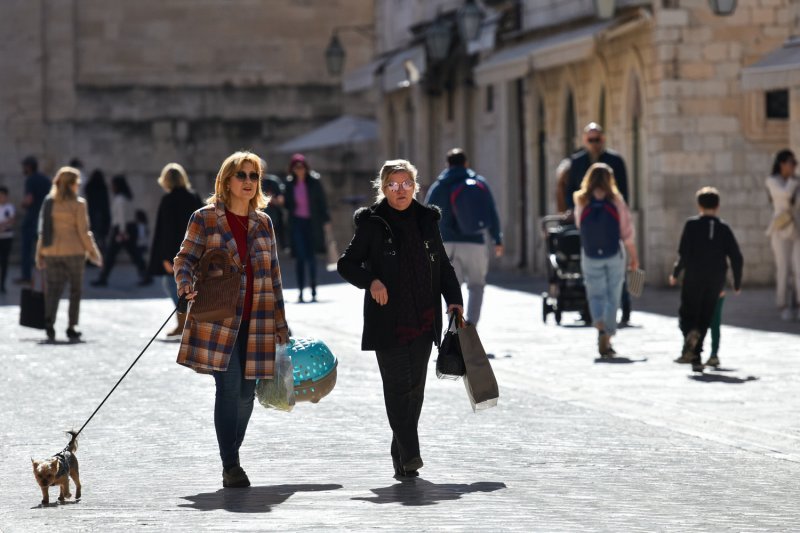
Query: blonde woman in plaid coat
(238, 350)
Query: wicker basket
(314, 369)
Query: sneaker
(73, 334)
(787, 314)
(690, 344)
(234, 478)
(713, 361)
(685, 359)
(697, 366)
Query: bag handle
(211, 255)
(456, 317)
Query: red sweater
(238, 226)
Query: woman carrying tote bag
(398, 258)
(239, 349)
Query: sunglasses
(594, 140)
(394, 186)
(242, 175)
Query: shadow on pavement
(421, 492)
(721, 378)
(620, 360)
(250, 500)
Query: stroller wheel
(558, 317)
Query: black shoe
(99, 283)
(73, 334)
(51, 334)
(697, 366)
(404, 474)
(235, 478)
(313, 294)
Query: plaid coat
(207, 346)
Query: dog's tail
(73, 442)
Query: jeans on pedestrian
(403, 370)
(303, 251)
(603, 278)
(170, 288)
(471, 263)
(27, 249)
(234, 402)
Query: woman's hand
(672, 280)
(455, 307)
(378, 291)
(186, 291)
(634, 263)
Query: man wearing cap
(37, 186)
(594, 151)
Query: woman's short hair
(65, 178)
(781, 157)
(173, 176)
(599, 176)
(390, 167)
(233, 164)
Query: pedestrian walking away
(124, 233)
(398, 258)
(468, 212)
(707, 244)
(594, 151)
(174, 211)
(784, 232)
(273, 187)
(37, 186)
(604, 219)
(240, 349)
(64, 244)
(308, 216)
(7, 217)
(97, 202)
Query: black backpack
(471, 203)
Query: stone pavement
(639, 444)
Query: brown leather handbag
(217, 294)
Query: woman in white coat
(783, 229)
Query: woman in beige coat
(65, 243)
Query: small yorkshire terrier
(57, 470)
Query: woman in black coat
(398, 258)
(174, 211)
(308, 215)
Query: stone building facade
(662, 76)
(130, 86)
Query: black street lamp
(722, 7)
(604, 8)
(469, 21)
(334, 56)
(438, 38)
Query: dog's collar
(63, 464)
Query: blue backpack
(471, 203)
(600, 229)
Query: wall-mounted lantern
(469, 18)
(438, 38)
(334, 56)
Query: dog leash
(181, 308)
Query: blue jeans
(234, 402)
(303, 250)
(170, 288)
(603, 279)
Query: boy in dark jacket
(707, 244)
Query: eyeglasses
(594, 140)
(394, 186)
(242, 175)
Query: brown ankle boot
(179, 328)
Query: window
(777, 104)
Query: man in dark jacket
(467, 251)
(595, 151)
(37, 185)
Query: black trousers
(5, 251)
(403, 371)
(698, 301)
(129, 245)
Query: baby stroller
(566, 291)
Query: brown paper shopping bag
(479, 379)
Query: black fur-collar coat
(372, 254)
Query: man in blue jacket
(466, 248)
(37, 186)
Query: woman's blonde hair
(173, 176)
(599, 176)
(233, 164)
(390, 167)
(65, 178)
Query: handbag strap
(211, 255)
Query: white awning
(362, 78)
(779, 69)
(553, 51)
(347, 129)
(404, 68)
